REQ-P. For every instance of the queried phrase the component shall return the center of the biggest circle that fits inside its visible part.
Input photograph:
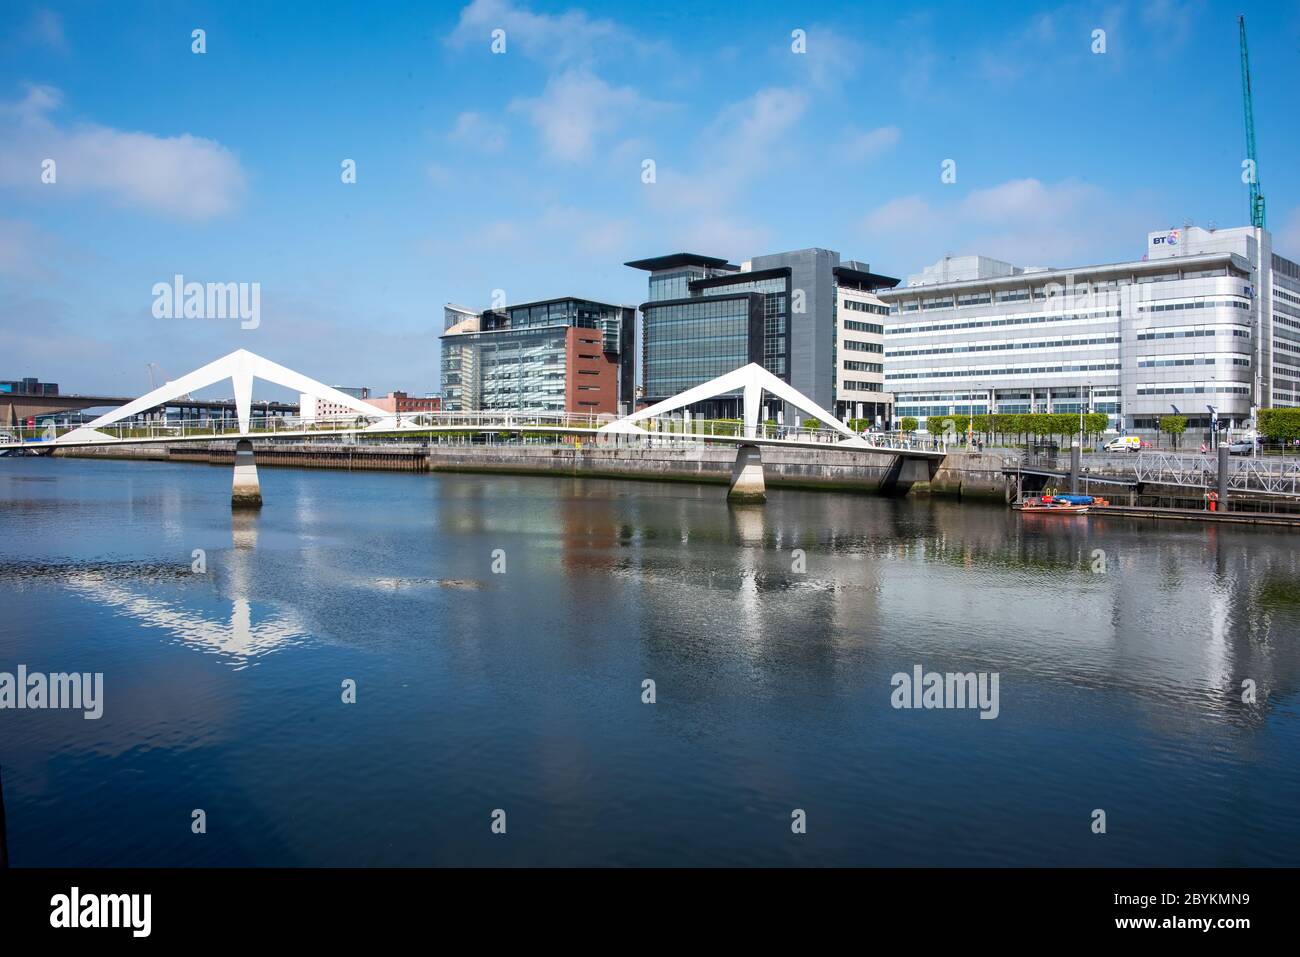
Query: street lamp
(1086, 398)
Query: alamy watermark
(75, 909)
(59, 690)
(179, 299)
(932, 689)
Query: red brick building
(401, 402)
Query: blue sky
(522, 171)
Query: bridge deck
(597, 437)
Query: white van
(1124, 443)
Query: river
(499, 633)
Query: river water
(499, 632)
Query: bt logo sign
(1170, 240)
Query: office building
(1207, 318)
(313, 409)
(1275, 317)
(29, 386)
(860, 345)
(453, 315)
(400, 402)
(556, 355)
(705, 317)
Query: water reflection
(238, 639)
(1122, 678)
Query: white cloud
(46, 28)
(907, 214)
(860, 145)
(1171, 20)
(696, 206)
(21, 252)
(35, 104)
(575, 107)
(1024, 221)
(594, 234)
(478, 132)
(1029, 201)
(754, 134)
(185, 176)
(831, 57)
(723, 235)
(558, 231)
(562, 38)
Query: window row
(1004, 346)
(1008, 321)
(971, 373)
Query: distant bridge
(17, 407)
(666, 423)
(1269, 475)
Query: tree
(1173, 425)
(907, 423)
(1094, 423)
(1280, 425)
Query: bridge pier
(245, 492)
(747, 476)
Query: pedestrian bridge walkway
(665, 423)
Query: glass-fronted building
(705, 317)
(557, 355)
(688, 338)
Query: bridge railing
(1273, 476)
(664, 429)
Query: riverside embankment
(959, 474)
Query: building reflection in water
(1175, 617)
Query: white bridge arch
(241, 367)
(753, 380)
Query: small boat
(1067, 504)
(1036, 507)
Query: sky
(600, 133)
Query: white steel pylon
(241, 367)
(753, 380)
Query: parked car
(1241, 447)
(1125, 443)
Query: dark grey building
(705, 317)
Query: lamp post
(1085, 398)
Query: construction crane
(1256, 194)
(153, 384)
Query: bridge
(17, 407)
(665, 423)
(1220, 473)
